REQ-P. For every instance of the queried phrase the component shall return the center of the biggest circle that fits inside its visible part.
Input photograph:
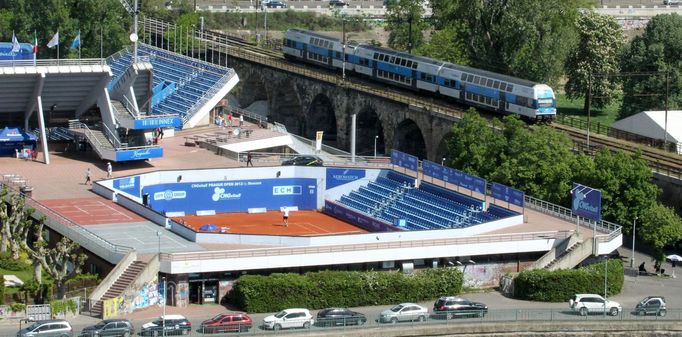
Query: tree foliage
(659, 49)
(659, 227)
(600, 43)
(405, 23)
(444, 45)
(525, 38)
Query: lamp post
(375, 146)
(343, 60)
(163, 318)
(634, 227)
(442, 162)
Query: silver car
(47, 328)
(404, 312)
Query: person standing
(229, 119)
(248, 159)
(109, 170)
(88, 178)
(241, 121)
(286, 217)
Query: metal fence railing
(52, 62)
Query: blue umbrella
(208, 227)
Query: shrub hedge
(316, 290)
(561, 285)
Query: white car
(289, 318)
(592, 303)
(404, 312)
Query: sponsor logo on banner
(219, 194)
(338, 177)
(586, 202)
(287, 190)
(126, 183)
(170, 195)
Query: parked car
(451, 307)
(306, 160)
(404, 312)
(337, 3)
(47, 328)
(109, 327)
(585, 304)
(289, 318)
(171, 324)
(651, 305)
(275, 4)
(229, 322)
(339, 316)
(672, 2)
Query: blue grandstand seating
(393, 196)
(193, 78)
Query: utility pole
(589, 105)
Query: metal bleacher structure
(426, 207)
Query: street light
(163, 318)
(375, 146)
(634, 227)
(158, 234)
(442, 162)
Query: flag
(16, 47)
(77, 41)
(54, 41)
(35, 42)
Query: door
(110, 330)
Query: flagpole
(57, 47)
(100, 42)
(79, 44)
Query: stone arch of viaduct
(306, 105)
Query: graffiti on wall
(183, 294)
(486, 275)
(147, 295)
(113, 307)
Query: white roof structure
(652, 124)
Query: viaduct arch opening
(408, 138)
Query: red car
(230, 322)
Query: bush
(561, 285)
(315, 290)
(17, 307)
(7, 263)
(63, 306)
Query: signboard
(432, 169)
(342, 176)
(508, 194)
(318, 140)
(130, 185)
(160, 122)
(586, 202)
(405, 160)
(356, 218)
(25, 52)
(139, 154)
(233, 196)
(473, 183)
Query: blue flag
(77, 41)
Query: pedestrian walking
(109, 170)
(241, 121)
(229, 119)
(286, 217)
(248, 160)
(88, 178)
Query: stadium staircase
(102, 144)
(122, 282)
(566, 255)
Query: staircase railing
(94, 140)
(111, 136)
(207, 95)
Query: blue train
(480, 88)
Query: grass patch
(574, 108)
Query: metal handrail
(207, 95)
(53, 62)
(111, 136)
(130, 107)
(260, 120)
(76, 124)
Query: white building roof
(652, 124)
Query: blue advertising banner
(161, 122)
(405, 160)
(233, 196)
(473, 183)
(508, 194)
(340, 176)
(139, 154)
(370, 224)
(586, 202)
(432, 169)
(130, 185)
(25, 52)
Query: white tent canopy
(652, 124)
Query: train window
(376, 55)
(487, 100)
(510, 87)
(403, 62)
(464, 77)
(476, 79)
(489, 83)
(470, 78)
(414, 65)
(496, 85)
(392, 59)
(503, 86)
(446, 83)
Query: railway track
(660, 161)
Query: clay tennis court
(92, 211)
(301, 223)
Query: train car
(399, 68)
(322, 50)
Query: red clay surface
(301, 223)
(92, 211)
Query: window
(464, 77)
(409, 64)
(477, 80)
(510, 87)
(496, 85)
(503, 86)
(392, 59)
(414, 65)
(470, 78)
(376, 56)
(489, 83)
(403, 62)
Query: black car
(275, 4)
(651, 305)
(339, 317)
(174, 325)
(306, 160)
(109, 327)
(451, 307)
(337, 3)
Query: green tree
(659, 49)
(475, 147)
(659, 227)
(525, 38)
(405, 23)
(601, 41)
(444, 45)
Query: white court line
(115, 211)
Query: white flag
(16, 47)
(54, 41)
